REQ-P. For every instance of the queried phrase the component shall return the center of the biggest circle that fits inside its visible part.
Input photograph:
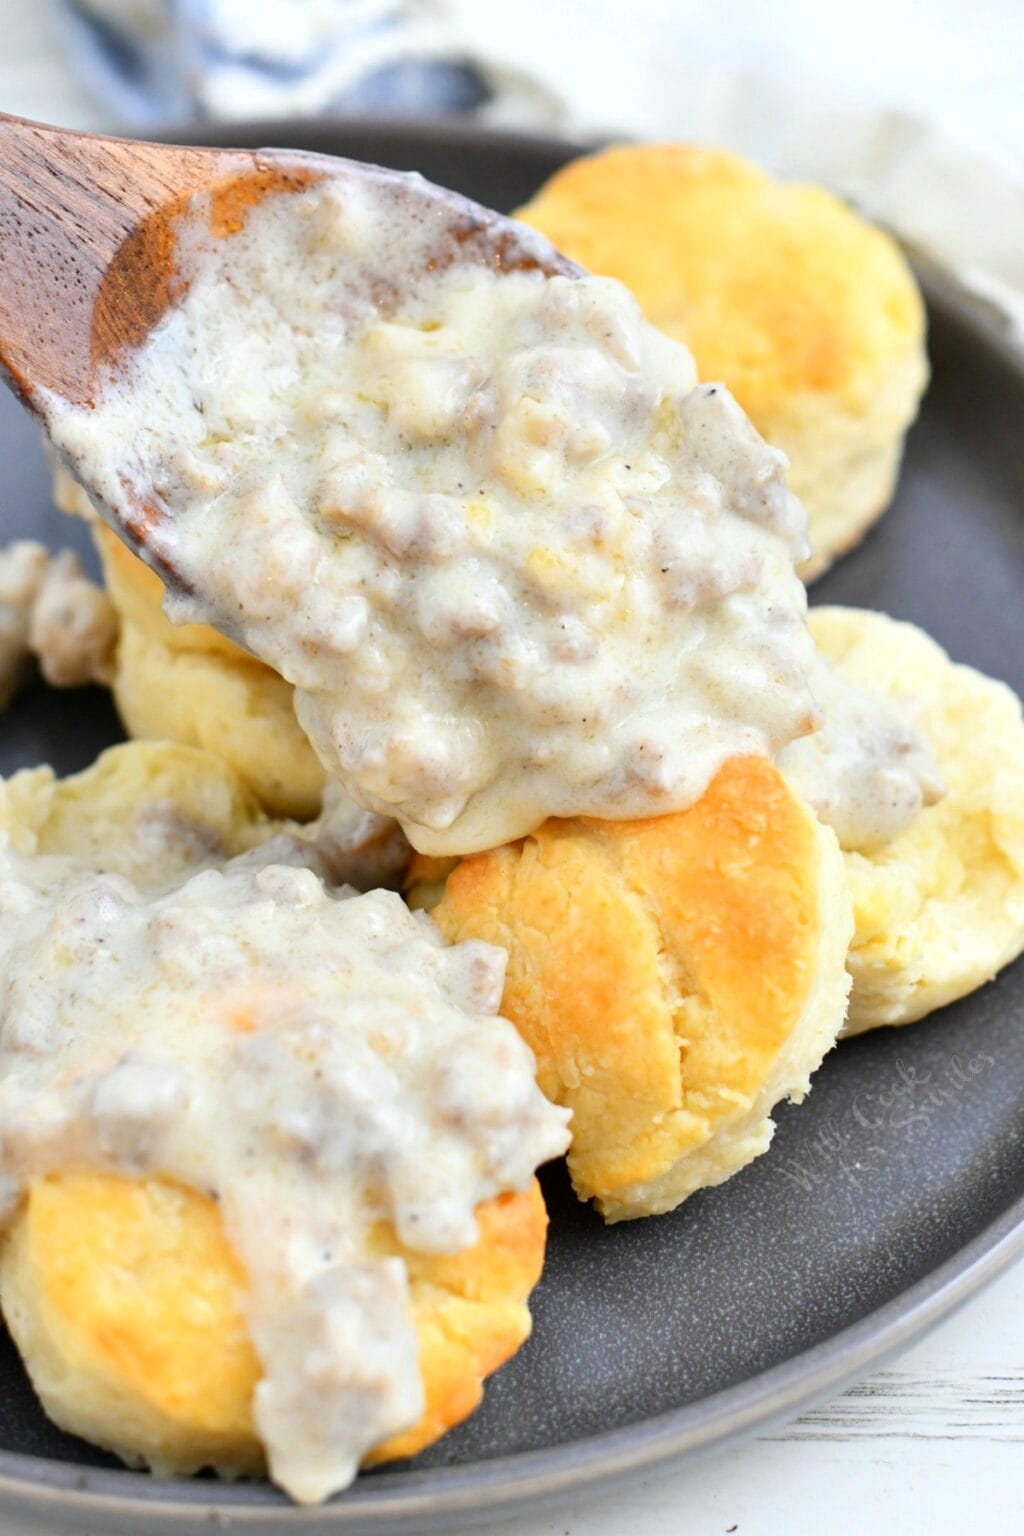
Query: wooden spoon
(88, 234)
(87, 241)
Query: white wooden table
(935, 1443)
(931, 1446)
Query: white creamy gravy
(317, 1061)
(515, 563)
(868, 771)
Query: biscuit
(675, 977)
(188, 683)
(151, 811)
(158, 811)
(809, 315)
(128, 1308)
(138, 595)
(239, 710)
(123, 1295)
(939, 909)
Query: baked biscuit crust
(939, 910)
(188, 683)
(128, 1308)
(238, 710)
(153, 811)
(675, 977)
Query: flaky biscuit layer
(675, 977)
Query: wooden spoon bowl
(88, 236)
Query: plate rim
(38, 1485)
(422, 1499)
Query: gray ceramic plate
(890, 1196)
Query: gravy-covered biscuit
(675, 977)
(939, 909)
(157, 811)
(128, 1307)
(267, 1153)
(808, 314)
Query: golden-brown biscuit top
(774, 287)
(130, 1307)
(657, 968)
